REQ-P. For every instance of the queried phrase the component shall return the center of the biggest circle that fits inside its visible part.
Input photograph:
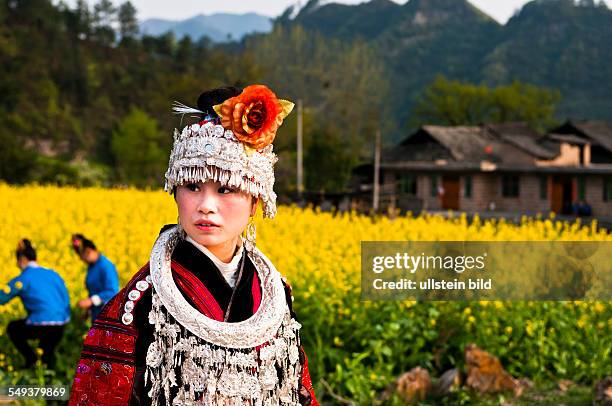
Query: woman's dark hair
(80, 243)
(211, 97)
(25, 249)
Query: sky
(501, 10)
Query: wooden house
(502, 168)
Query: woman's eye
(192, 186)
(226, 190)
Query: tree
(83, 19)
(327, 162)
(451, 102)
(184, 54)
(15, 159)
(140, 149)
(524, 102)
(163, 45)
(105, 14)
(128, 23)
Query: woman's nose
(207, 203)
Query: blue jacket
(101, 281)
(43, 293)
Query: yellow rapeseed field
(307, 246)
(319, 253)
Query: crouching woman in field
(45, 299)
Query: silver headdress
(212, 151)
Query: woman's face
(214, 215)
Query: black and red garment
(162, 339)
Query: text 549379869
(49, 392)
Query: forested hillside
(560, 44)
(85, 99)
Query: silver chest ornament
(216, 363)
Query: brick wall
(528, 201)
(594, 196)
(484, 190)
(424, 192)
(487, 188)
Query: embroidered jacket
(120, 363)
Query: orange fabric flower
(254, 115)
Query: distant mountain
(425, 38)
(219, 27)
(417, 40)
(365, 20)
(563, 44)
(557, 44)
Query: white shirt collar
(31, 264)
(227, 269)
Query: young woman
(45, 298)
(208, 320)
(102, 280)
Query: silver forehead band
(210, 152)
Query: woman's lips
(206, 226)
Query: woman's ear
(254, 206)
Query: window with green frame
(607, 188)
(467, 192)
(408, 184)
(434, 185)
(510, 185)
(543, 187)
(581, 187)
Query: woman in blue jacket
(45, 298)
(101, 281)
